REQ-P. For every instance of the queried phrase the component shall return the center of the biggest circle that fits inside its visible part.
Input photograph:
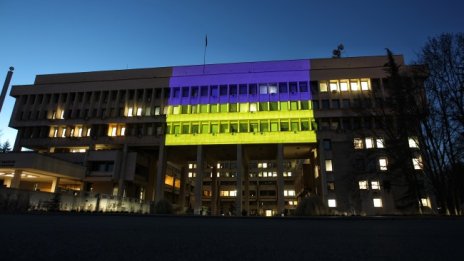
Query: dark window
(346, 103)
(325, 104)
(315, 105)
(327, 143)
(185, 91)
(204, 91)
(293, 87)
(283, 88)
(214, 91)
(194, 92)
(243, 89)
(303, 86)
(233, 90)
(335, 104)
(346, 124)
(223, 90)
(304, 105)
(253, 89)
(176, 93)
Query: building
(251, 137)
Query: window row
(240, 107)
(382, 164)
(248, 126)
(239, 89)
(355, 103)
(364, 185)
(353, 123)
(368, 143)
(346, 85)
(376, 202)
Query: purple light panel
(225, 82)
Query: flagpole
(204, 53)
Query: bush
(311, 206)
(163, 206)
(14, 202)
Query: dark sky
(55, 36)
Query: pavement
(132, 237)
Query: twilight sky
(56, 36)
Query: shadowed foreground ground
(93, 237)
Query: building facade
(221, 139)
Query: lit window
(233, 193)
(157, 110)
(328, 165)
(354, 86)
(62, 114)
(426, 202)
(130, 112)
(72, 133)
(363, 184)
(55, 132)
(63, 133)
(380, 143)
(139, 111)
(323, 87)
(113, 131)
(79, 132)
(343, 86)
(369, 143)
(88, 131)
(333, 87)
(364, 85)
(289, 193)
(264, 165)
(190, 166)
(417, 162)
(413, 142)
(123, 131)
(377, 202)
(332, 203)
(358, 143)
(253, 107)
(375, 185)
(383, 164)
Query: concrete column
(280, 179)
(199, 180)
(214, 191)
(160, 171)
(240, 171)
(122, 172)
(183, 186)
(55, 183)
(16, 180)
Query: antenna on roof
(204, 53)
(337, 53)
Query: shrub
(163, 206)
(311, 206)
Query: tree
(442, 132)
(5, 147)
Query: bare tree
(442, 132)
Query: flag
(206, 40)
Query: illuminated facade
(224, 138)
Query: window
(283, 87)
(335, 104)
(323, 86)
(63, 133)
(413, 142)
(369, 143)
(377, 202)
(325, 104)
(354, 86)
(328, 165)
(343, 86)
(363, 184)
(358, 143)
(139, 111)
(364, 85)
(380, 143)
(263, 89)
(289, 193)
(426, 202)
(327, 144)
(130, 112)
(333, 86)
(253, 107)
(332, 203)
(375, 185)
(417, 162)
(272, 88)
(330, 186)
(383, 164)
